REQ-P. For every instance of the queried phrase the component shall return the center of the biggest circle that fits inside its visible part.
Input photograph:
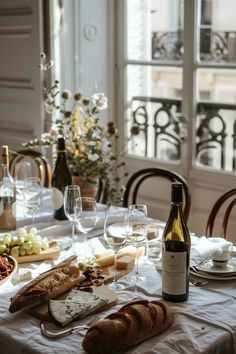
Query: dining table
(205, 323)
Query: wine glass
(115, 234)
(23, 170)
(137, 233)
(32, 195)
(71, 193)
(86, 216)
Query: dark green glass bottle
(175, 251)
(61, 178)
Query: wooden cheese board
(42, 312)
(52, 252)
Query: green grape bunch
(24, 243)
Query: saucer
(208, 267)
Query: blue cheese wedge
(77, 305)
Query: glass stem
(115, 277)
(73, 234)
(137, 259)
(33, 218)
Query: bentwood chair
(40, 165)
(228, 197)
(135, 181)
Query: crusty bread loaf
(132, 324)
(48, 285)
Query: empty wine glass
(23, 170)
(115, 234)
(86, 217)
(72, 192)
(137, 233)
(32, 195)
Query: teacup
(220, 258)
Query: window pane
(216, 127)
(155, 105)
(216, 136)
(154, 81)
(217, 31)
(217, 85)
(154, 29)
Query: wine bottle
(7, 195)
(175, 250)
(61, 178)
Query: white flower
(99, 100)
(53, 130)
(105, 145)
(49, 108)
(66, 94)
(93, 157)
(92, 143)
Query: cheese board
(42, 311)
(52, 252)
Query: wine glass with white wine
(115, 234)
(32, 195)
(23, 170)
(71, 194)
(86, 219)
(137, 233)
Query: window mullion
(189, 80)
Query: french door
(177, 70)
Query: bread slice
(48, 285)
(78, 304)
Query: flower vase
(88, 185)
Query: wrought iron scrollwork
(169, 131)
(211, 134)
(143, 124)
(167, 45)
(214, 45)
(217, 46)
(165, 130)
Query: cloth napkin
(203, 248)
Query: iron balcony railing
(162, 118)
(214, 45)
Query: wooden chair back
(40, 163)
(135, 181)
(225, 197)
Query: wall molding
(24, 84)
(19, 11)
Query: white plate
(204, 275)
(210, 268)
(13, 270)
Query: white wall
(21, 116)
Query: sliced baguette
(48, 285)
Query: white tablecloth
(206, 323)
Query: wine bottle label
(174, 272)
(57, 198)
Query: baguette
(132, 324)
(47, 285)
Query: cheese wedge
(125, 262)
(103, 254)
(127, 251)
(78, 304)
